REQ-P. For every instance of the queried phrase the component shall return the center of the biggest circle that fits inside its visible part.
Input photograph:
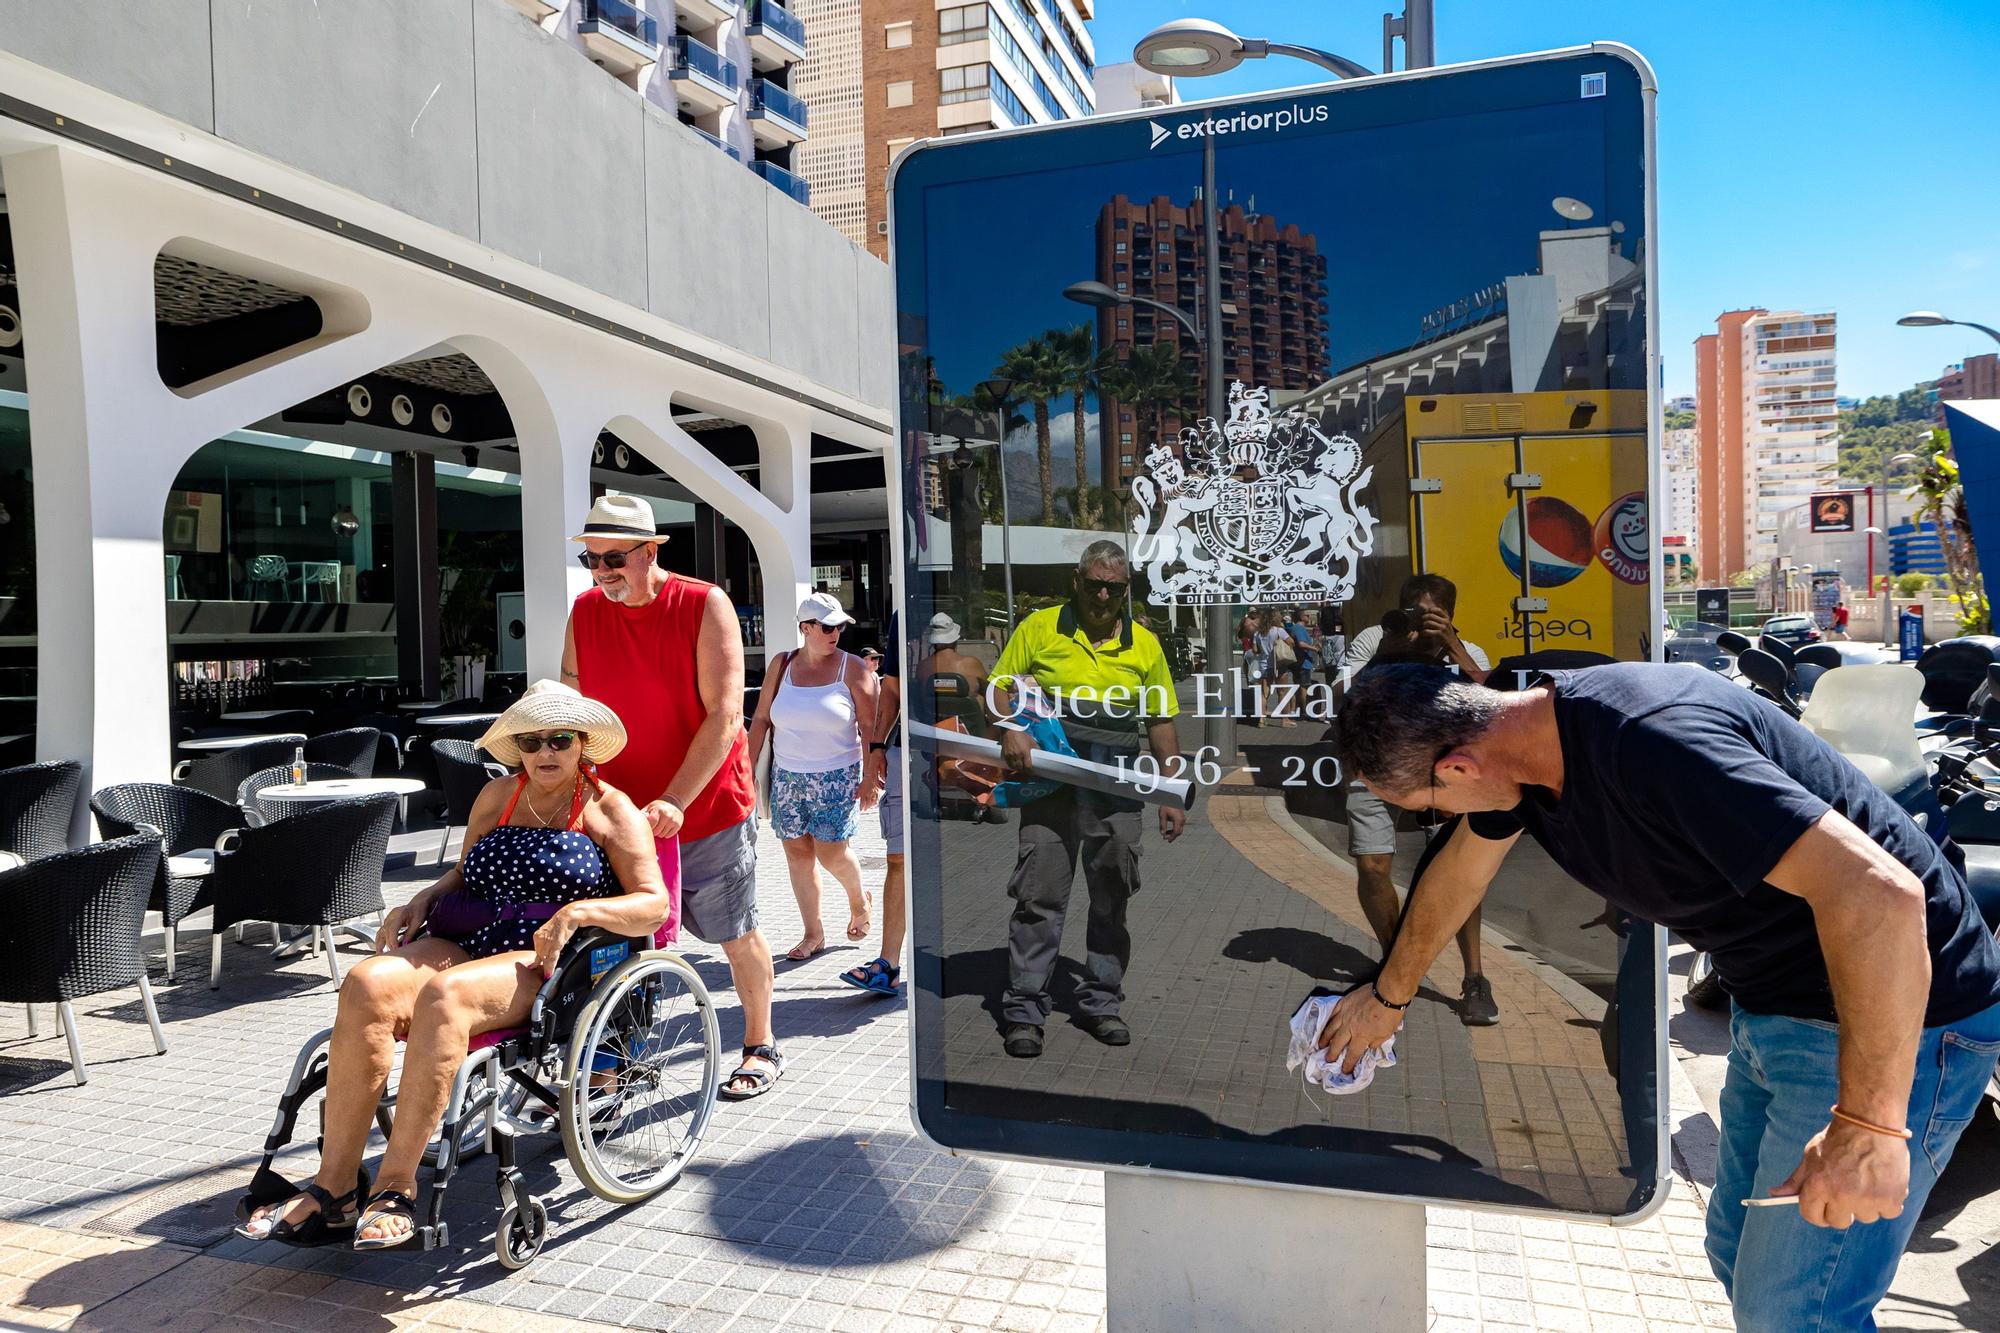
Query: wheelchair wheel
(639, 1078)
(521, 1233)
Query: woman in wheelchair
(547, 852)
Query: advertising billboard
(1831, 511)
(1194, 402)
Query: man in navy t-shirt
(1863, 977)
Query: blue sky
(1839, 154)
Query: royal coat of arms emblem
(1253, 510)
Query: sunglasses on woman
(610, 559)
(532, 742)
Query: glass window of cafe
(17, 590)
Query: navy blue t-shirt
(1681, 792)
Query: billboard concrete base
(1192, 1255)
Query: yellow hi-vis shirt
(1127, 674)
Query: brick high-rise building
(1766, 422)
(1274, 309)
(1975, 377)
(882, 74)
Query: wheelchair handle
(587, 938)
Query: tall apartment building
(1274, 307)
(1974, 377)
(1766, 421)
(722, 67)
(895, 71)
(1681, 488)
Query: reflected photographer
(1418, 629)
(1113, 692)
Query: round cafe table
(450, 719)
(238, 742)
(340, 789)
(260, 714)
(420, 705)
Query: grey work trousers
(1057, 832)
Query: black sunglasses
(1108, 587)
(610, 559)
(531, 742)
(819, 625)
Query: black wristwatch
(874, 746)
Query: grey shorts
(891, 810)
(1371, 824)
(719, 883)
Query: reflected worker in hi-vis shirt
(1110, 680)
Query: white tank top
(812, 726)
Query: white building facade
(1790, 420)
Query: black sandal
(315, 1230)
(385, 1204)
(761, 1080)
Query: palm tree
(1035, 367)
(1152, 379)
(1076, 351)
(1940, 498)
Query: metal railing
(623, 15)
(798, 188)
(725, 146)
(704, 60)
(775, 100)
(777, 19)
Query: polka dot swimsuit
(515, 864)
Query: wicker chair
(188, 821)
(71, 930)
(36, 802)
(317, 868)
(352, 749)
(221, 773)
(463, 772)
(260, 812)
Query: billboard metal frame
(1648, 99)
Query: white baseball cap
(825, 608)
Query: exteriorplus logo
(1277, 121)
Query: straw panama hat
(550, 703)
(619, 518)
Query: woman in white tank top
(816, 707)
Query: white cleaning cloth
(1307, 1024)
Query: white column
(1193, 1256)
(101, 471)
(556, 421)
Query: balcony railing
(769, 97)
(628, 18)
(704, 60)
(797, 188)
(725, 146)
(777, 19)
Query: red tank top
(641, 664)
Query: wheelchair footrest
(434, 1237)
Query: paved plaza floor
(817, 1207)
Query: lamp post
(1931, 319)
(997, 390)
(1196, 47)
(1888, 466)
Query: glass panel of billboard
(1428, 297)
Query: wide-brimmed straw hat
(550, 704)
(619, 518)
(944, 629)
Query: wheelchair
(621, 1054)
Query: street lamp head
(997, 389)
(1189, 46)
(1906, 458)
(1093, 293)
(1872, 531)
(1924, 319)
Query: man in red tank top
(666, 654)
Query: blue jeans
(1783, 1274)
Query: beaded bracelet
(1859, 1123)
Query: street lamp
(1931, 319)
(1888, 466)
(997, 391)
(1097, 294)
(1196, 47)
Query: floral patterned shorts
(823, 806)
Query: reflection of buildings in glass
(1274, 309)
(1766, 422)
(1578, 322)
